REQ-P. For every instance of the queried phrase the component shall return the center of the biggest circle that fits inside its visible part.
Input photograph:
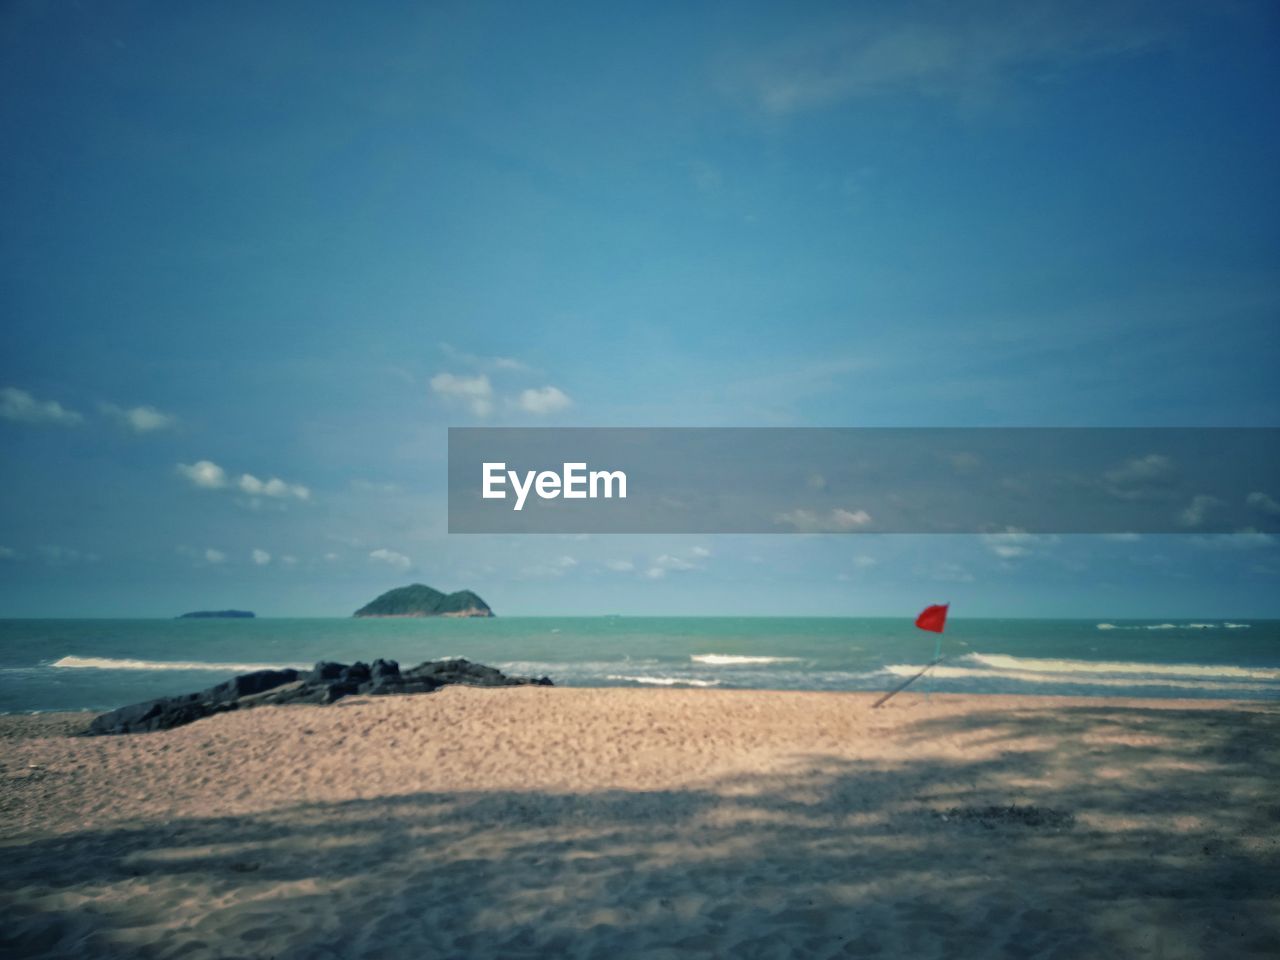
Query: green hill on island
(419, 600)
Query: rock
(471, 674)
(381, 669)
(327, 682)
(168, 712)
(326, 670)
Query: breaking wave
(733, 660)
(1174, 626)
(1099, 673)
(1003, 662)
(665, 681)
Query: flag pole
(932, 617)
(904, 684)
(937, 658)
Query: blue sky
(296, 243)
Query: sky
(256, 259)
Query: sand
(536, 822)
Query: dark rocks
(326, 683)
(175, 711)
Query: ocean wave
(1209, 670)
(733, 660)
(112, 663)
(1173, 626)
(943, 672)
(665, 681)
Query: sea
(73, 665)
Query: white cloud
(864, 562)
(951, 573)
(391, 558)
(1141, 477)
(556, 568)
(275, 487)
(1122, 537)
(476, 393)
(1006, 545)
(209, 476)
(1154, 466)
(142, 419)
(205, 474)
(22, 407)
(1240, 540)
(215, 556)
(1015, 543)
(544, 400)
(959, 52)
(260, 557)
(331, 557)
(1007, 550)
(8, 553)
(482, 362)
(670, 563)
(620, 566)
(1194, 514)
(289, 560)
(833, 521)
(1260, 501)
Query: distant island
(211, 614)
(419, 600)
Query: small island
(419, 600)
(217, 614)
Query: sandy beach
(546, 822)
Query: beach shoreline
(651, 822)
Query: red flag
(933, 617)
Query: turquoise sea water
(100, 664)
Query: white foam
(1027, 676)
(1174, 626)
(733, 660)
(665, 681)
(1220, 670)
(111, 663)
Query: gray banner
(864, 480)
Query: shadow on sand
(1173, 853)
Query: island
(216, 614)
(419, 600)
